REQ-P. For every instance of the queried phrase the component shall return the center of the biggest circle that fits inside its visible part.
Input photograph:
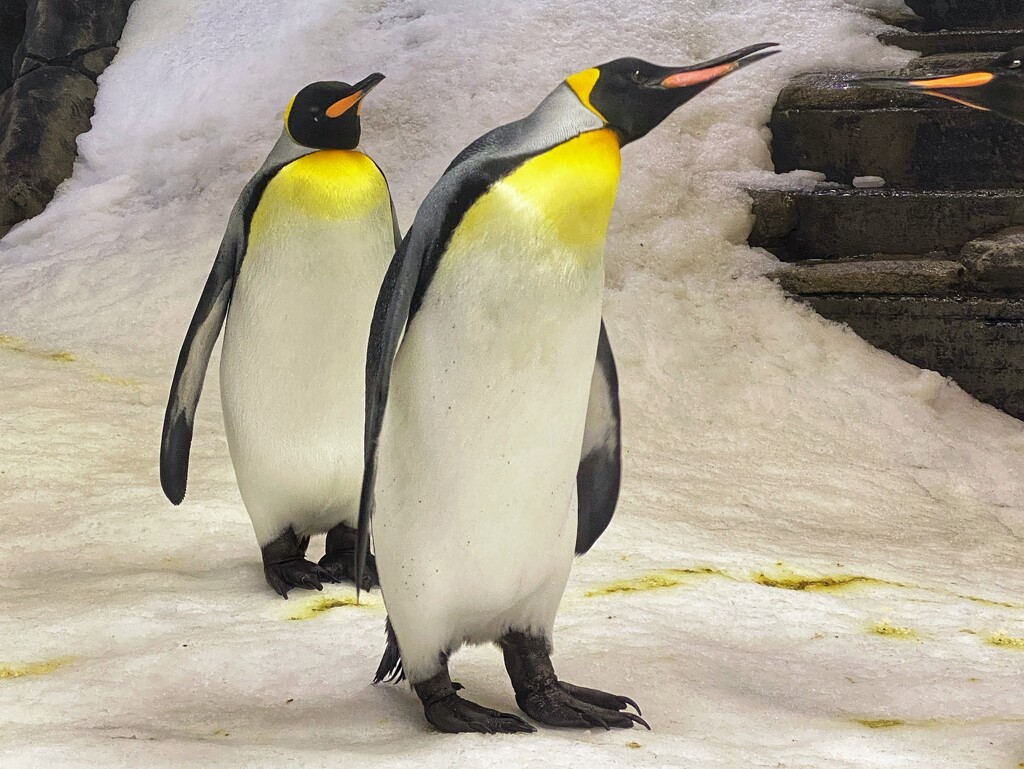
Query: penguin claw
(566, 705)
(295, 573)
(452, 714)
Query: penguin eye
(1015, 64)
(635, 77)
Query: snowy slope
(817, 559)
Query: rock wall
(51, 53)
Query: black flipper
(202, 334)
(600, 470)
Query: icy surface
(817, 559)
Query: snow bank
(817, 557)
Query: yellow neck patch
(287, 114)
(582, 83)
(567, 192)
(326, 185)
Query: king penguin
(997, 87)
(484, 406)
(296, 278)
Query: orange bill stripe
(695, 77)
(967, 80)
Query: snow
(765, 447)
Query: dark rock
(826, 222)
(872, 275)
(45, 111)
(910, 140)
(971, 14)
(996, 262)
(979, 342)
(63, 32)
(964, 40)
(12, 28)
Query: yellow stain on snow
(879, 723)
(314, 607)
(883, 628)
(654, 581)
(785, 578)
(24, 347)
(14, 344)
(633, 745)
(34, 668)
(1005, 641)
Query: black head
(633, 96)
(998, 87)
(325, 115)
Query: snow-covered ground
(817, 560)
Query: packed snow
(817, 559)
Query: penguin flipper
(390, 316)
(191, 371)
(600, 470)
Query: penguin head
(998, 87)
(633, 96)
(325, 115)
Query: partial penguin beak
(709, 71)
(361, 88)
(934, 86)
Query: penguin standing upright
(483, 402)
(296, 276)
(997, 87)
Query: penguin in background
(997, 87)
(294, 285)
(483, 403)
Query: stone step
(979, 342)
(990, 266)
(913, 141)
(955, 41)
(834, 221)
(969, 14)
(874, 275)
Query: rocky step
(822, 123)
(969, 14)
(955, 41)
(832, 221)
(977, 341)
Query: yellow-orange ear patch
(967, 80)
(342, 106)
(582, 83)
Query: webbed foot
(340, 558)
(285, 566)
(555, 703)
(448, 712)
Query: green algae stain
(653, 581)
(883, 628)
(34, 668)
(1005, 641)
(317, 606)
(879, 723)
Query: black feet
(340, 558)
(448, 712)
(546, 699)
(285, 567)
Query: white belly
(474, 528)
(292, 369)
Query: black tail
(390, 668)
